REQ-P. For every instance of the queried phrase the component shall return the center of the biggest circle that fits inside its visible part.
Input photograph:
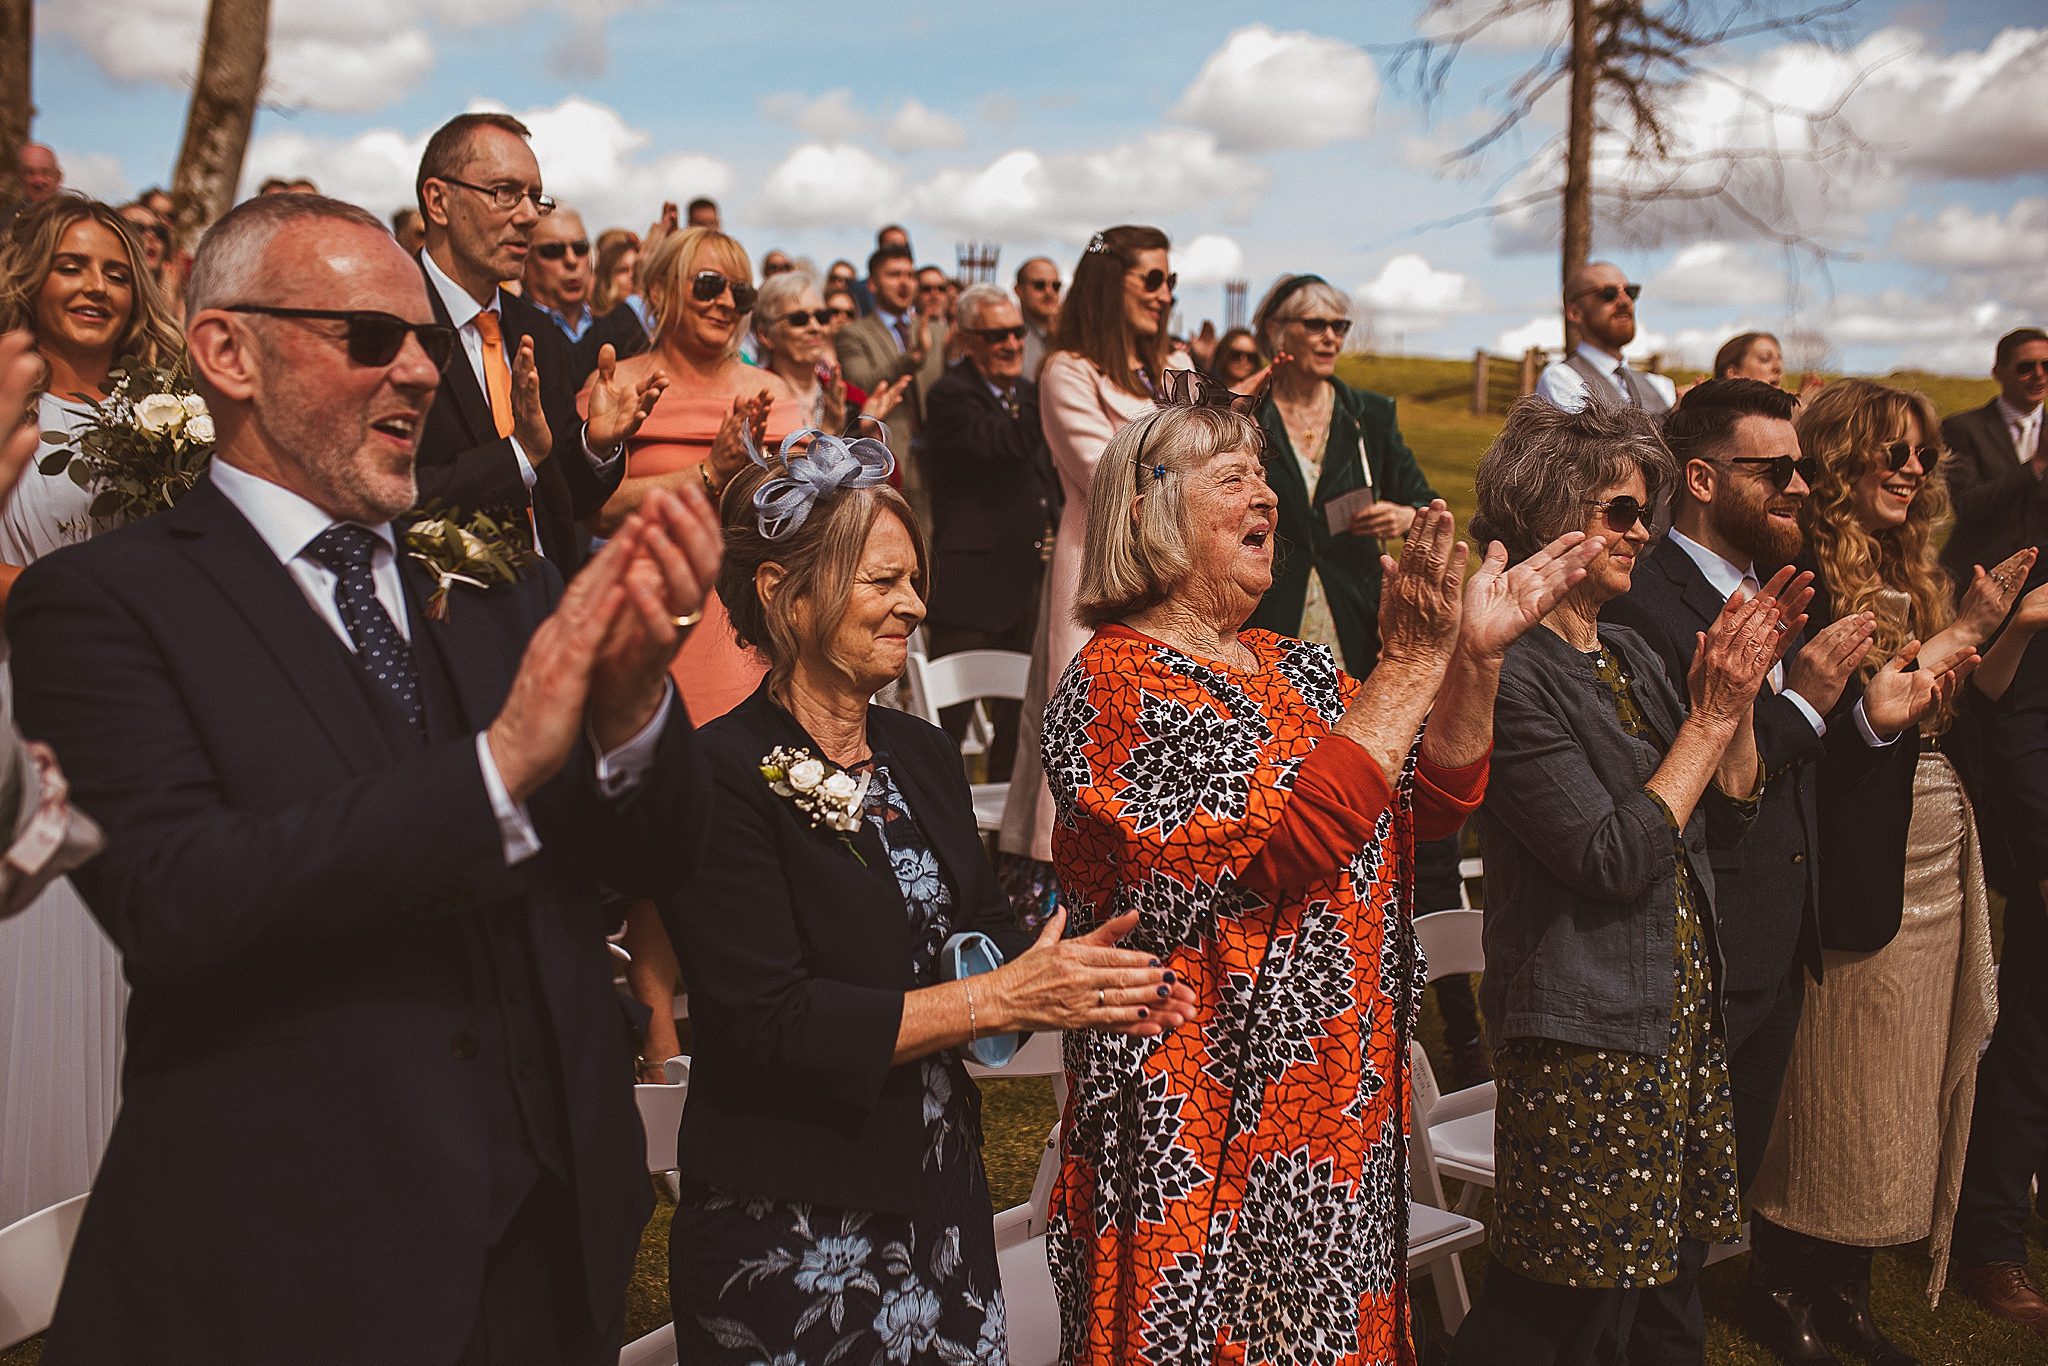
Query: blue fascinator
(809, 465)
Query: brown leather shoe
(2007, 1290)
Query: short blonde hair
(818, 560)
(1132, 562)
(1291, 297)
(682, 254)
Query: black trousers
(1670, 1324)
(2009, 1128)
(1518, 1321)
(535, 1311)
(1003, 714)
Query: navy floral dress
(784, 1283)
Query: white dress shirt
(1724, 578)
(2023, 428)
(1564, 387)
(288, 523)
(462, 311)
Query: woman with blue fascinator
(845, 949)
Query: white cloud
(1264, 90)
(831, 115)
(1410, 295)
(825, 185)
(590, 158)
(1959, 238)
(1967, 115)
(1545, 334)
(1069, 195)
(1208, 260)
(1522, 24)
(915, 128)
(1716, 273)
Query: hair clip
(1159, 471)
(1097, 243)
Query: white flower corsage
(829, 796)
(478, 551)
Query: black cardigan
(796, 956)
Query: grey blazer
(1581, 862)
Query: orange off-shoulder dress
(1236, 1190)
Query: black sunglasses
(2019, 367)
(1243, 353)
(997, 334)
(707, 285)
(1315, 327)
(1621, 513)
(1899, 452)
(555, 251)
(1050, 286)
(505, 198)
(1153, 279)
(820, 316)
(373, 338)
(1607, 294)
(839, 313)
(1780, 468)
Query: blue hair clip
(804, 474)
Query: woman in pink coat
(1110, 352)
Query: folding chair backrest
(970, 674)
(33, 1251)
(1453, 942)
(1422, 1093)
(661, 1115)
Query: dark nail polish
(1168, 978)
(1165, 992)
(1143, 1013)
(1153, 961)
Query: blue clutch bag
(969, 955)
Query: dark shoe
(1842, 1313)
(1782, 1320)
(2006, 1290)
(1471, 1063)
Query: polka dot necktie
(380, 649)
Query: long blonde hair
(1845, 428)
(32, 242)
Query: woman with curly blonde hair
(1874, 1118)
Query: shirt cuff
(1870, 737)
(601, 465)
(626, 767)
(515, 828)
(526, 470)
(1813, 718)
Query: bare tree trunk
(218, 120)
(1578, 152)
(17, 50)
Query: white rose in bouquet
(195, 406)
(199, 427)
(160, 414)
(839, 786)
(806, 775)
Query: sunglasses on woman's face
(373, 338)
(1241, 355)
(1899, 452)
(843, 314)
(707, 285)
(1779, 469)
(1620, 513)
(555, 251)
(1152, 280)
(1315, 327)
(820, 316)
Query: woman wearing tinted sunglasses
(793, 339)
(1874, 1117)
(1613, 1129)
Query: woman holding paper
(1345, 479)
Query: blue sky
(1262, 144)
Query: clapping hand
(619, 406)
(675, 550)
(1088, 983)
(883, 401)
(1824, 664)
(1895, 699)
(1991, 595)
(1382, 519)
(1733, 657)
(1258, 381)
(529, 418)
(747, 420)
(1501, 604)
(1420, 596)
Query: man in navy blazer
(1734, 523)
(377, 1100)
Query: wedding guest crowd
(314, 841)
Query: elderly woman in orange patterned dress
(1235, 1189)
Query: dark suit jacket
(797, 955)
(301, 1170)
(2000, 506)
(1766, 888)
(619, 329)
(465, 465)
(994, 498)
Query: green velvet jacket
(1361, 426)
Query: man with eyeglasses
(1997, 463)
(503, 433)
(899, 338)
(1601, 303)
(995, 502)
(376, 1105)
(1038, 295)
(1735, 522)
(559, 275)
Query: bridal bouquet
(140, 449)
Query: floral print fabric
(785, 1283)
(1603, 1158)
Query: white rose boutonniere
(478, 551)
(830, 797)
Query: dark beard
(1747, 527)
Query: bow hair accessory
(805, 473)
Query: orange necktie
(497, 374)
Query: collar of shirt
(1608, 364)
(907, 318)
(1722, 576)
(1001, 392)
(287, 522)
(2014, 417)
(462, 309)
(574, 327)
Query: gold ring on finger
(688, 619)
(1100, 999)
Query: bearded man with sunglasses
(1997, 465)
(1735, 522)
(1601, 303)
(503, 433)
(376, 1101)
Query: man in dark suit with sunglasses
(558, 279)
(504, 433)
(1735, 522)
(1601, 303)
(377, 1100)
(1997, 465)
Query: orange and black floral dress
(1235, 1191)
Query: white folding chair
(1461, 1123)
(33, 1253)
(1436, 1234)
(661, 1115)
(1030, 1309)
(970, 676)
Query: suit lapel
(1693, 589)
(467, 640)
(1997, 435)
(458, 381)
(217, 538)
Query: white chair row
(934, 684)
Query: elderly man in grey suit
(893, 341)
(1997, 466)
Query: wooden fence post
(1532, 365)
(1479, 361)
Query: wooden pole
(1479, 364)
(218, 120)
(1578, 153)
(17, 54)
